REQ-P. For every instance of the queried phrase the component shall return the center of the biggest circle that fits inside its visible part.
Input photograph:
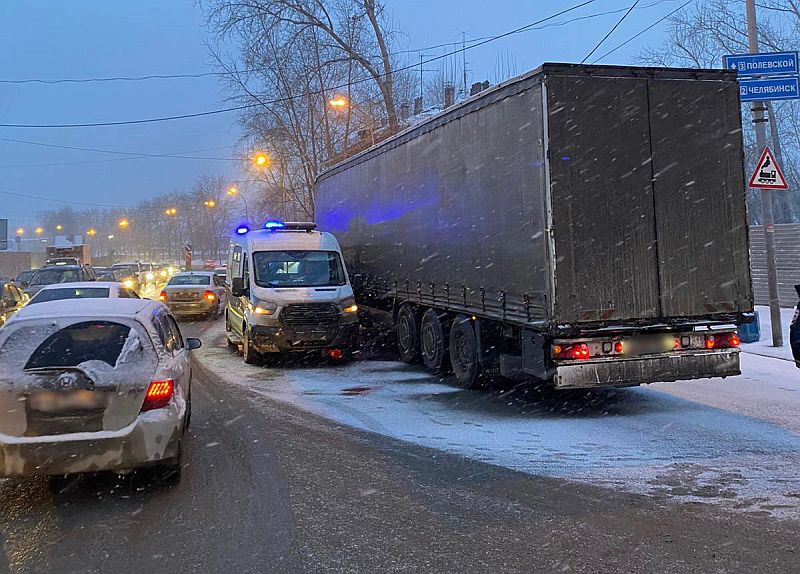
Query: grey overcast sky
(82, 39)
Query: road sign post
(766, 199)
(187, 256)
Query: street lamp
(91, 232)
(20, 231)
(232, 191)
(59, 227)
(170, 211)
(109, 237)
(210, 203)
(38, 231)
(338, 102)
(261, 159)
(123, 223)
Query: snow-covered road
(734, 442)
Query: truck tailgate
(645, 222)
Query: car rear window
(70, 293)
(86, 341)
(190, 280)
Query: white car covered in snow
(91, 385)
(84, 290)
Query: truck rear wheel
(464, 353)
(408, 334)
(433, 342)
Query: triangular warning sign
(768, 174)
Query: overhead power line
(600, 43)
(180, 155)
(650, 27)
(292, 97)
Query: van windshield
(297, 269)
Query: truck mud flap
(634, 372)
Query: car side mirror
(237, 287)
(192, 343)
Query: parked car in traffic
(13, 299)
(91, 386)
(24, 278)
(85, 290)
(52, 274)
(129, 274)
(794, 330)
(195, 293)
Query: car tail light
(574, 351)
(722, 340)
(209, 296)
(335, 354)
(158, 395)
(162, 296)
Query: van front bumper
(638, 371)
(280, 339)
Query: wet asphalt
(270, 488)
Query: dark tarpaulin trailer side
(572, 194)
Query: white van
(289, 292)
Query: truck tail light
(158, 395)
(162, 296)
(722, 340)
(209, 296)
(574, 351)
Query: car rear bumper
(190, 307)
(631, 372)
(278, 339)
(153, 437)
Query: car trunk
(644, 176)
(73, 376)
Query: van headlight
(263, 307)
(349, 306)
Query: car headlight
(150, 276)
(264, 307)
(163, 273)
(170, 270)
(349, 306)
(128, 283)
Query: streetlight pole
(766, 198)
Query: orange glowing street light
(91, 232)
(38, 230)
(210, 203)
(59, 227)
(170, 211)
(338, 102)
(123, 223)
(261, 159)
(232, 191)
(20, 231)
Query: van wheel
(464, 353)
(433, 342)
(250, 355)
(408, 333)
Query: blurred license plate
(57, 402)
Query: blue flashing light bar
(273, 224)
(242, 230)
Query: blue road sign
(774, 64)
(769, 89)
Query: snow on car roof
(207, 273)
(83, 285)
(97, 308)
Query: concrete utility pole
(766, 199)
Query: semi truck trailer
(578, 224)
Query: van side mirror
(238, 288)
(357, 281)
